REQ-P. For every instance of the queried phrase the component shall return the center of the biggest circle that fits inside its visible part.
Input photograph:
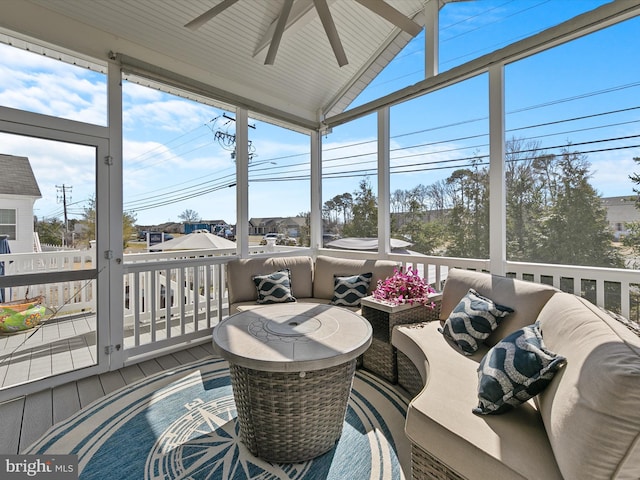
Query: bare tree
(189, 216)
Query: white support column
(384, 217)
(315, 220)
(109, 222)
(497, 184)
(242, 181)
(431, 38)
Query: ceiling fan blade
(301, 13)
(209, 14)
(386, 11)
(277, 34)
(331, 31)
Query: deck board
(111, 381)
(61, 357)
(89, 390)
(37, 418)
(167, 362)
(40, 364)
(11, 420)
(150, 367)
(65, 401)
(132, 373)
(184, 356)
(83, 351)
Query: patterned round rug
(182, 424)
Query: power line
(360, 172)
(175, 196)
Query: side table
(380, 357)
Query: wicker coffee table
(292, 367)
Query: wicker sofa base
(290, 417)
(408, 375)
(380, 358)
(425, 466)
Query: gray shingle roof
(17, 178)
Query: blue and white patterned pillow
(275, 287)
(516, 369)
(473, 320)
(348, 290)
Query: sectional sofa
(584, 424)
(311, 281)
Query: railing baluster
(153, 300)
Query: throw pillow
(348, 290)
(274, 287)
(473, 320)
(516, 369)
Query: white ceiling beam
(277, 34)
(386, 11)
(301, 14)
(197, 22)
(331, 31)
(431, 39)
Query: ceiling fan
(292, 12)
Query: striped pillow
(348, 290)
(274, 287)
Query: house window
(8, 223)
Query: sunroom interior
(306, 78)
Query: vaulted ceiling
(224, 57)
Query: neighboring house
(290, 226)
(212, 226)
(621, 210)
(18, 192)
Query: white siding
(24, 222)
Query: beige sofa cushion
(240, 272)
(526, 298)
(591, 409)
(327, 267)
(440, 418)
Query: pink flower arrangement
(404, 288)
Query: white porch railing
(174, 297)
(63, 297)
(611, 288)
(171, 298)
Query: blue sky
(571, 94)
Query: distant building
(290, 226)
(18, 192)
(621, 210)
(212, 226)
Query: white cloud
(55, 164)
(50, 87)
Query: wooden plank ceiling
(305, 80)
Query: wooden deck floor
(66, 344)
(54, 347)
(24, 420)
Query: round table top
(292, 337)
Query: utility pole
(62, 198)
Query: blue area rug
(182, 424)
